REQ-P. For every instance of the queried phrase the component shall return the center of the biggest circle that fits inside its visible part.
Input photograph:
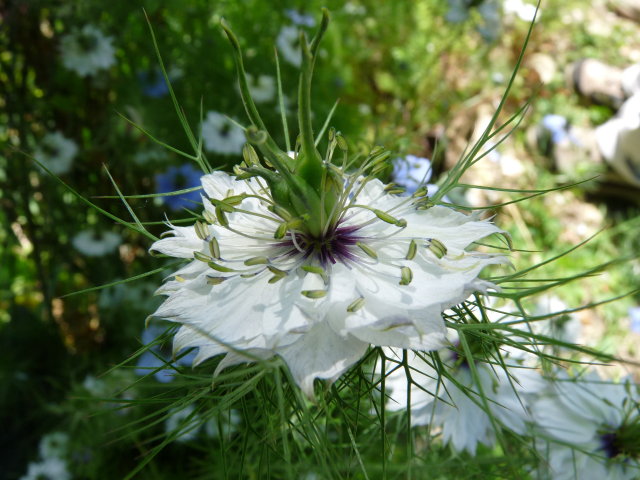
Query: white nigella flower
(96, 244)
(56, 152)
(300, 258)
(288, 45)
(593, 429)
(221, 135)
(263, 88)
(462, 415)
(47, 469)
(86, 51)
(381, 272)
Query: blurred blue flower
(153, 84)
(556, 125)
(634, 316)
(412, 172)
(301, 19)
(458, 11)
(157, 358)
(179, 178)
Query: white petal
(321, 353)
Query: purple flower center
(335, 246)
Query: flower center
(623, 442)
(336, 245)
(87, 42)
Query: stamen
(222, 218)
(202, 257)
(256, 261)
(420, 192)
(220, 268)
(437, 248)
(209, 217)
(317, 270)
(215, 280)
(201, 230)
(314, 293)
(368, 250)
(356, 305)
(406, 275)
(277, 271)
(413, 249)
(214, 248)
(294, 240)
(281, 231)
(250, 156)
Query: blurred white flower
(564, 327)
(96, 244)
(47, 469)
(460, 412)
(382, 273)
(56, 152)
(95, 386)
(593, 429)
(54, 445)
(184, 423)
(288, 45)
(263, 88)
(87, 51)
(221, 135)
(524, 11)
(227, 422)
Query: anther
(437, 248)
(413, 249)
(420, 192)
(314, 293)
(214, 248)
(209, 217)
(201, 230)
(277, 271)
(406, 275)
(368, 250)
(356, 305)
(250, 156)
(220, 268)
(256, 261)
(202, 257)
(221, 216)
(317, 270)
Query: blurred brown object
(596, 81)
(626, 8)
